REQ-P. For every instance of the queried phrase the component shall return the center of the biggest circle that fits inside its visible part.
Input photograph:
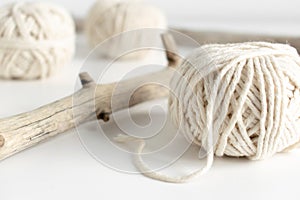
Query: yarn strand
(148, 172)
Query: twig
(92, 101)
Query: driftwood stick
(171, 51)
(28, 129)
(86, 80)
(207, 37)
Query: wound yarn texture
(36, 40)
(116, 27)
(243, 96)
(239, 100)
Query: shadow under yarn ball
(109, 18)
(36, 39)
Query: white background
(214, 9)
(271, 16)
(62, 169)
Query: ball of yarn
(239, 100)
(36, 39)
(108, 18)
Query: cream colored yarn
(239, 100)
(36, 39)
(108, 18)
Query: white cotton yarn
(109, 18)
(239, 100)
(36, 39)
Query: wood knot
(2, 141)
(103, 116)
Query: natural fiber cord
(36, 39)
(239, 100)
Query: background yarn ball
(239, 100)
(108, 18)
(36, 39)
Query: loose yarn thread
(36, 39)
(239, 100)
(108, 22)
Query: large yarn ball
(243, 98)
(107, 19)
(36, 39)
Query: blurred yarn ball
(36, 39)
(125, 25)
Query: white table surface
(62, 168)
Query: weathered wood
(92, 101)
(79, 24)
(171, 51)
(207, 37)
(2, 141)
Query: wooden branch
(172, 51)
(206, 37)
(28, 129)
(86, 80)
(2, 141)
(79, 24)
